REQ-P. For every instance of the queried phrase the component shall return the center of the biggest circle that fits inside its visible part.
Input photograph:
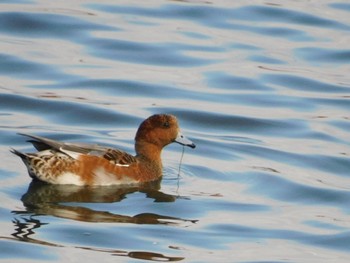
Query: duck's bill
(184, 141)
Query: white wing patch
(122, 165)
(74, 155)
(45, 153)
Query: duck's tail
(18, 153)
(26, 159)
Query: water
(262, 88)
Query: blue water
(262, 88)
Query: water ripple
(46, 25)
(323, 55)
(155, 54)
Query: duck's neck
(151, 154)
(149, 151)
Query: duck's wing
(118, 157)
(75, 150)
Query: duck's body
(83, 164)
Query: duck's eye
(166, 124)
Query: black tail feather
(40, 146)
(18, 153)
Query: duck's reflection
(63, 201)
(66, 201)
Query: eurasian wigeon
(84, 164)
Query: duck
(83, 164)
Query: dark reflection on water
(60, 200)
(144, 255)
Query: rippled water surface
(262, 88)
